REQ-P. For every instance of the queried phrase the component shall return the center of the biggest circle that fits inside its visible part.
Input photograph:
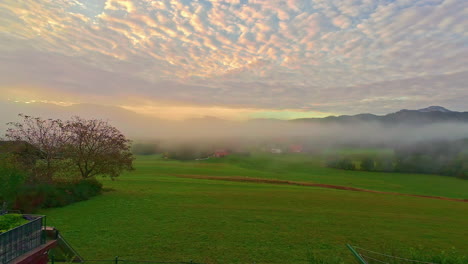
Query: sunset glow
(236, 59)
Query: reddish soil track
(310, 184)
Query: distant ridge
(435, 109)
(429, 115)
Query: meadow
(154, 214)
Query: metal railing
(22, 239)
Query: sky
(236, 59)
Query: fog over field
(140, 127)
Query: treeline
(149, 148)
(182, 151)
(50, 162)
(448, 158)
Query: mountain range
(429, 115)
(137, 124)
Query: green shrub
(10, 221)
(30, 198)
(57, 194)
(367, 164)
(384, 164)
(11, 179)
(84, 189)
(341, 163)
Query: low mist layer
(218, 133)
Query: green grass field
(153, 215)
(298, 167)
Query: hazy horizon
(140, 127)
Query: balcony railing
(22, 239)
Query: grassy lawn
(310, 169)
(152, 215)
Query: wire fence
(118, 260)
(366, 256)
(123, 261)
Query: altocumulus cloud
(325, 55)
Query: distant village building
(220, 153)
(296, 149)
(276, 150)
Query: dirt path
(329, 186)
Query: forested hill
(432, 114)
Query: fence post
(52, 259)
(117, 260)
(359, 258)
(43, 230)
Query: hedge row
(32, 197)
